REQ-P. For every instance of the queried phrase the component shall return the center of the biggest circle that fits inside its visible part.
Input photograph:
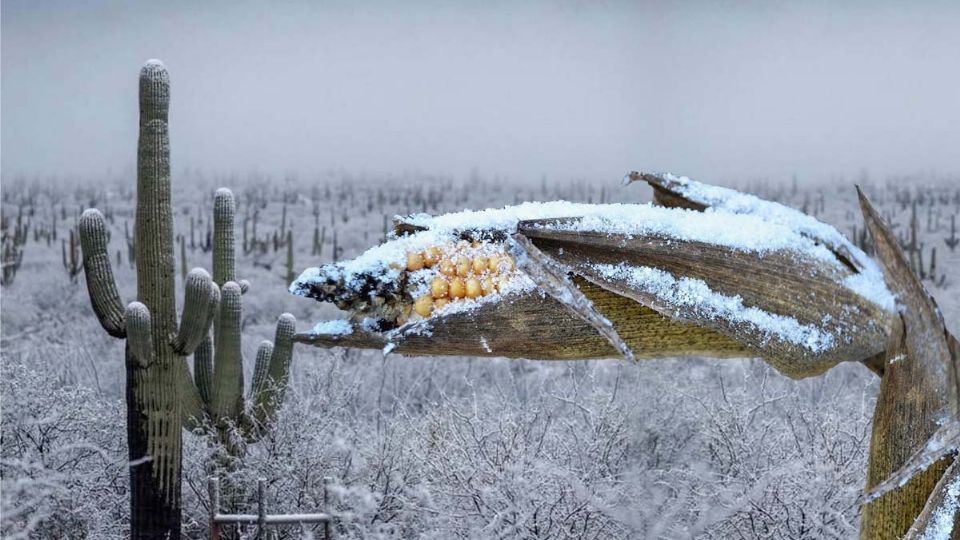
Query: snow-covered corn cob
(723, 274)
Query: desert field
(442, 447)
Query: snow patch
(339, 327)
(868, 283)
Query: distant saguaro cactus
(71, 261)
(161, 396)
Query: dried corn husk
(703, 280)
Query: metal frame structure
(261, 519)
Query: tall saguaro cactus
(161, 395)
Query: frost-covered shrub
(542, 450)
(63, 462)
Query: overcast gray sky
(712, 89)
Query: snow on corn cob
(707, 272)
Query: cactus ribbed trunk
(150, 516)
(153, 396)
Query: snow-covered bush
(583, 450)
(63, 468)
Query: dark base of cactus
(154, 514)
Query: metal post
(261, 508)
(213, 488)
(328, 528)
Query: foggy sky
(587, 89)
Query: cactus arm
(268, 394)
(198, 392)
(282, 350)
(244, 286)
(224, 259)
(194, 322)
(214, 310)
(101, 286)
(140, 333)
(199, 396)
(254, 417)
(194, 403)
(228, 362)
(261, 369)
(203, 369)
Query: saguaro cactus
(221, 382)
(160, 393)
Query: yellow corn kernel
(447, 268)
(474, 289)
(493, 263)
(489, 285)
(479, 264)
(502, 283)
(439, 303)
(439, 287)
(463, 266)
(457, 288)
(431, 256)
(423, 306)
(414, 261)
(506, 263)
